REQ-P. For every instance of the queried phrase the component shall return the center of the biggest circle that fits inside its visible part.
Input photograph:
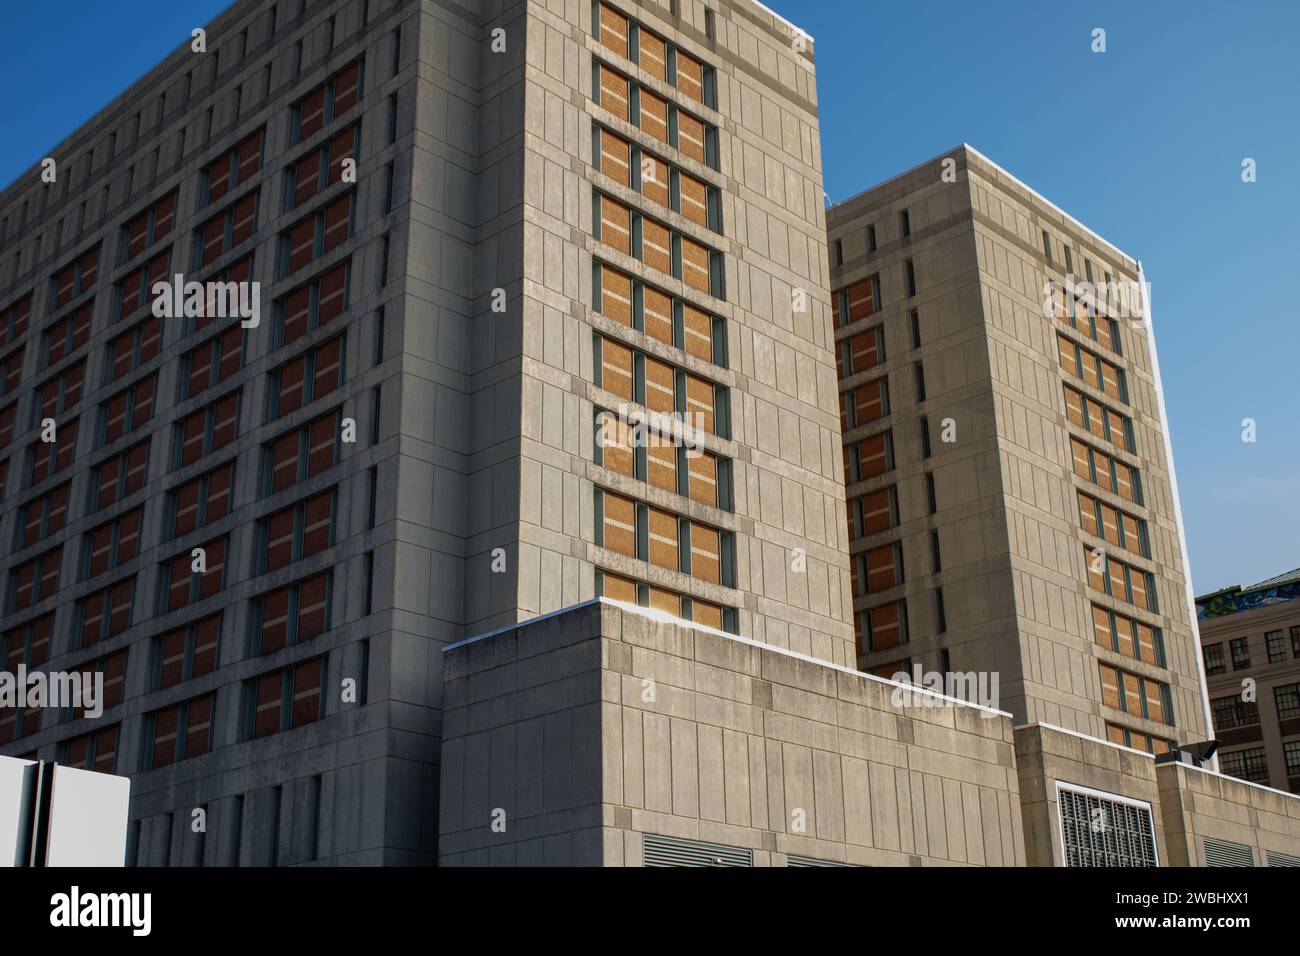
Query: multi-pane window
(226, 230)
(665, 539)
(312, 304)
(873, 513)
(212, 362)
(59, 393)
(201, 500)
(661, 58)
(34, 580)
(1287, 699)
(655, 116)
(186, 652)
(105, 613)
(27, 645)
(238, 272)
(134, 347)
(1232, 712)
(1275, 641)
(1240, 650)
(1249, 764)
(883, 626)
(14, 320)
(629, 449)
(864, 404)
(657, 245)
(296, 532)
(1106, 471)
(302, 380)
(869, 458)
(318, 233)
(112, 670)
(877, 569)
(128, 409)
(857, 301)
(637, 377)
(860, 352)
(660, 315)
(113, 543)
(46, 459)
(327, 102)
(320, 168)
(122, 475)
(207, 429)
(183, 581)
(95, 751)
(64, 336)
(74, 278)
(291, 615)
(619, 588)
(1100, 421)
(1092, 368)
(302, 453)
(11, 371)
(1291, 752)
(1134, 694)
(656, 179)
(1097, 831)
(1120, 580)
(233, 168)
(285, 699)
(1215, 663)
(150, 225)
(134, 291)
(1086, 318)
(43, 516)
(1128, 737)
(179, 732)
(1129, 637)
(1118, 527)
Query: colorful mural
(1234, 601)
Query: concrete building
(1251, 641)
(1011, 505)
(511, 530)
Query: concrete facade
(583, 732)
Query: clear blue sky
(1143, 143)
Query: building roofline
(666, 618)
(1002, 170)
(766, 9)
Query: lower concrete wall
(578, 733)
(1197, 804)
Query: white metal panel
(88, 818)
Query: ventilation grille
(1223, 853)
(810, 861)
(1282, 859)
(674, 851)
(1101, 832)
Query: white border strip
(1103, 795)
(666, 618)
(766, 9)
(1083, 736)
(1190, 595)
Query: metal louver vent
(1282, 859)
(1223, 853)
(1104, 829)
(674, 851)
(810, 861)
